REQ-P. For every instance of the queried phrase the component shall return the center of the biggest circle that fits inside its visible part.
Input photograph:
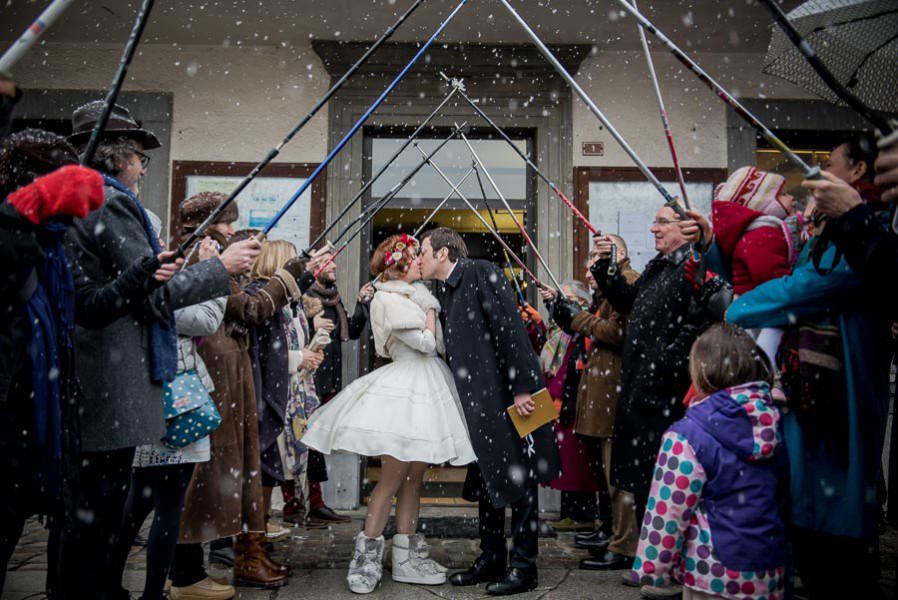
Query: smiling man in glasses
(664, 320)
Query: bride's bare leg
(392, 475)
(408, 505)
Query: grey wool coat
(492, 359)
(121, 406)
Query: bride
(407, 412)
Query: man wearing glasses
(664, 320)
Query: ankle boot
(260, 543)
(273, 564)
(251, 566)
(412, 562)
(366, 568)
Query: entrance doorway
(411, 207)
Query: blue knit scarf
(51, 311)
(163, 337)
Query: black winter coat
(21, 253)
(329, 376)
(268, 353)
(870, 249)
(492, 359)
(655, 363)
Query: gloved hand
(711, 300)
(599, 270)
(296, 266)
(71, 191)
(563, 313)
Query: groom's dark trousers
(524, 529)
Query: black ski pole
(273, 153)
(361, 121)
(524, 157)
(377, 175)
(118, 80)
(394, 191)
(368, 215)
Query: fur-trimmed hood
(398, 306)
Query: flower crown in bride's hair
(404, 242)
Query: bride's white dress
(408, 409)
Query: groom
(494, 367)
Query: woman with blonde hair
(277, 358)
(407, 412)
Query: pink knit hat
(754, 189)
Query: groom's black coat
(492, 360)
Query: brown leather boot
(251, 566)
(259, 539)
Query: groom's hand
(524, 404)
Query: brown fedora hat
(120, 124)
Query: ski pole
(669, 200)
(274, 152)
(377, 175)
(455, 83)
(118, 80)
(383, 96)
(665, 122)
(442, 203)
(808, 171)
(514, 217)
(18, 49)
(495, 234)
(370, 218)
(430, 216)
(807, 51)
(489, 210)
(369, 214)
(394, 191)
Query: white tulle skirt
(408, 409)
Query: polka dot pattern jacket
(714, 519)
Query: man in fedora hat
(123, 142)
(122, 366)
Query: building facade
(221, 85)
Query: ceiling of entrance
(705, 25)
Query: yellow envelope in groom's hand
(543, 413)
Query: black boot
(517, 581)
(594, 539)
(482, 571)
(609, 561)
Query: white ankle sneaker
(366, 568)
(412, 562)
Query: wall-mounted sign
(593, 148)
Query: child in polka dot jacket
(714, 519)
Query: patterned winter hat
(754, 189)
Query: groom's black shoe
(482, 571)
(517, 581)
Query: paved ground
(319, 559)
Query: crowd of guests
(741, 397)
(721, 414)
(135, 381)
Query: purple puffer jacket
(737, 437)
(714, 519)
